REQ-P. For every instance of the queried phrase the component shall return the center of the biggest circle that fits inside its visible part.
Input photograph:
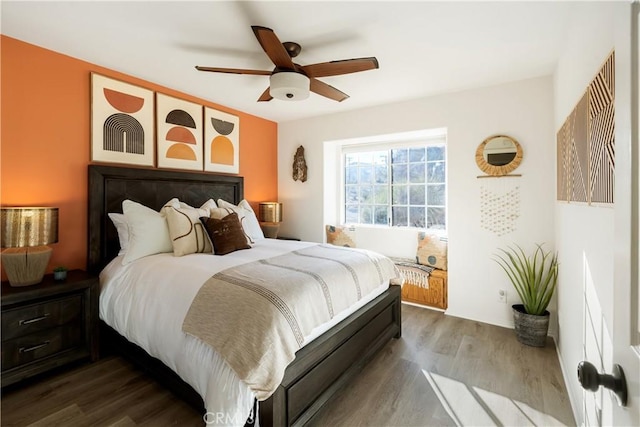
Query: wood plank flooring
(444, 371)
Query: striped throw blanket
(414, 273)
(256, 315)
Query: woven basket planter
(530, 329)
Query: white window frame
(386, 142)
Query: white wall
(521, 109)
(584, 234)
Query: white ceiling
(424, 48)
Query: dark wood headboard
(109, 186)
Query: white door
(619, 342)
(626, 321)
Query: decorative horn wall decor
(299, 165)
(586, 145)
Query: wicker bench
(423, 285)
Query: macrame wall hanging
(498, 156)
(499, 206)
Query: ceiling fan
(290, 81)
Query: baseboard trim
(575, 406)
(424, 306)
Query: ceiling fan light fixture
(289, 86)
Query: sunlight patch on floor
(473, 406)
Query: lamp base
(26, 266)
(270, 229)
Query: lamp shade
(270, 212)
(28, 226)
(289, 86)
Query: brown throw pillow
(226, 234)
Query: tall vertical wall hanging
(601, 142)
(221, 141)
(498, 156)
(179, 125)
(121, 122)
(499, 206)
(586, 145)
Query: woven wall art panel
(585, 144)
(602, 148)
(579, 151)
(563, 162)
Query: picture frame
(221, 141)
(121, 122)
(179, 133)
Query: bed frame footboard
(327, 364)
(320, 370)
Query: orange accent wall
(45, 140)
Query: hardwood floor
(451, 371)
(444, 371)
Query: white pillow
(148, 230)
(188, 235)
(209, 204)
(123, 230)
(247, 217)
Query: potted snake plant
(534, 277)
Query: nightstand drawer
(26, 320)
(48, 325)
(38, 345)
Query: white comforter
(146, 301)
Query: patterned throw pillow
(341, 236)
(432, 251)
(226, 234)
(187, 232)
(219, 213)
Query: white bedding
(146, 301)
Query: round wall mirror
(498, 155)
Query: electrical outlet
(502, 296)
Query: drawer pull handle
(34, 320)
(35, 347)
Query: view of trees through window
(399, 187)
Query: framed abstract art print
(121, 122)
(221, 141)
(179, 132)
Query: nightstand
(48, 325)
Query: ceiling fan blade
(273, 47)
(233, 71)
(266, 96)
(336, 68)
(326, 90)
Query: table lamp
(25, 232)
(270, 217)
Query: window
(401, 186)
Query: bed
(320, 368)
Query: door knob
(590, 379)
